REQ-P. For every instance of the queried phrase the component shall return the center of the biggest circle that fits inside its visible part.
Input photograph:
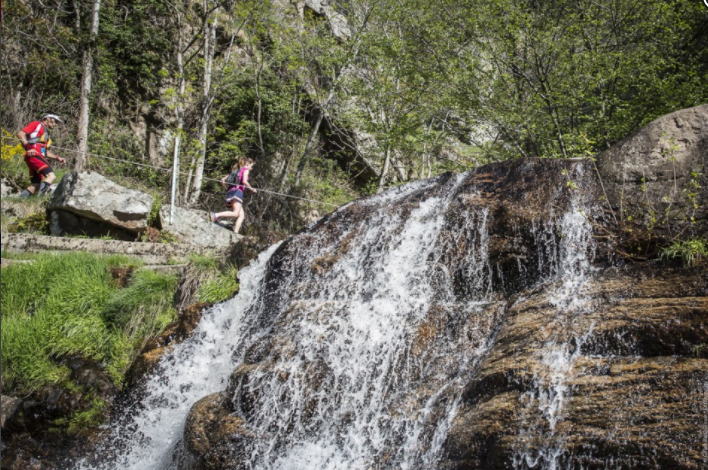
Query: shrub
(33, 223)
(688, 251)
(13, 167)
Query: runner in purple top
(235, 184)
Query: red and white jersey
(37, 137)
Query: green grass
(204, 263)
(144, 306)
(68, 304)
(219, 286)
(215, 284)
(21, 255)
(25, 205)
(207, 281)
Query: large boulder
(193, 227)
(94, 198)
(211, 434)
(656, 181)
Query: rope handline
(170, 170)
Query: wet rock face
(468, 241)
(155, 349)
(34, 435)
(212, 433)
(248, 248)
(621, 383)
(476, 321)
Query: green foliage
(135, 43)
(145, 306)
(209, 281)
(325, 181)
(515, 79)
(202, 262)
(218, 286)
(117, 141)
(167, 237)
(33, 223)
(13, 167)
(155, 211)
(89, 418)
(67, 304)
(689, 252)
(699, 350)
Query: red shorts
(38, 168)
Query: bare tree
(80, 163)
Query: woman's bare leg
(234, 212)
(239, 221)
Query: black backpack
(233, 179)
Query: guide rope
(170, 170)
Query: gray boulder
(193, 227)
(657, 179)
(88, 195)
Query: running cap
(52, 116)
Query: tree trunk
(382, 176)
(81, 157)
(209, 46)
(260, 106)
(305, 153)
(315, 130)
(179, 111)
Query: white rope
(170, 170)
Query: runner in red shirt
(36, 141)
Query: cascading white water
(197, 367)
(383, 401)
(390, 371)
(570, 269)
(365, 351)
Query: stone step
(149, 253)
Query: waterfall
(386, 376)
(570, 270)
(193, 369)
(358, 355)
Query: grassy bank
(69, 304)
(78, 305)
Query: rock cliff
(485, 321)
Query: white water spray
(364, 347)
(193, 369)
(570, 269)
